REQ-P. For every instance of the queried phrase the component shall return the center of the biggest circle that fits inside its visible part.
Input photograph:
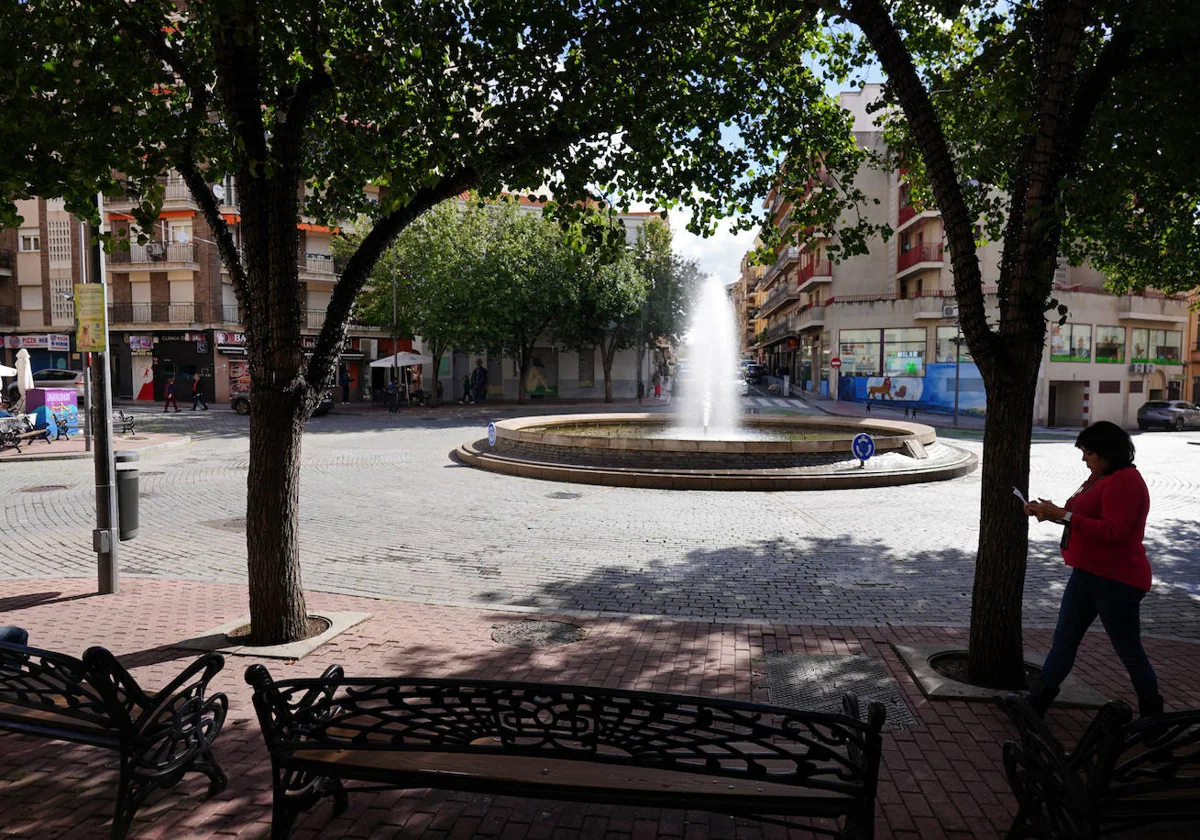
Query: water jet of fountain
(708, 389)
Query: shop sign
(793, 343)
(141, 343)
(57, 343)
(90, 318)
(230, 337)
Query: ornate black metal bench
(573, 743)
(1120, 775)
(94, 700)
(124, 423)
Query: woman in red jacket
(1104, 524)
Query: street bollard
(127, 493)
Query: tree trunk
(277, 610)
(996, 643)
(606, 358)
(524, 363)
(437, 366)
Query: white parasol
(24, 376)
(402, 359)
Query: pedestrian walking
(467, 398)
(1104, 524)
(479, 381)
(657, 380)
(170, 401)
(344, 381)
(198, 394)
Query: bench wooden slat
(536, 772)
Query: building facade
(889, 319)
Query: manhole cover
(537, 634)
(816, 683)
(565, 496)
(46, 488)
(238, 524)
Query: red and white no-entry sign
(835, 362)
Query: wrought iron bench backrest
(838, 753)
(1158, 754)
(89, 690)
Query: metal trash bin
(127, 493)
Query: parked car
(58, 378)
(756, 373)
(1168, 414)
(241, 404)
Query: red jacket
(1108, 523)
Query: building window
(59, 244)
(945, 346)
(587, 368)
(1161, 347)
(62, 300)
(859, 352)
(29, 240)
(1110, 346)
(1109, 387)
(1071, 343)
(1135, 386)
(904, 352)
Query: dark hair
(1110, 442)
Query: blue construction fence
(932, 392)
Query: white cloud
(720, 254)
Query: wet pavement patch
(46, 488)
(817, 682)
(537, 634)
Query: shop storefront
(182, 356)
(45, 350)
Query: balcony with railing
(781, 295)
(1153, 306)
(156, 313)
(813, 274)
(314, 319)
(927, 255)
(6, 261)
(155, 252)
(788, 255)
(8, 316)
(810, 317)
(778, 330)
(319, 264)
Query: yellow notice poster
(89, 318)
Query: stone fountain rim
(518, 430)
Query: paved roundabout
(387, 513)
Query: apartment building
(1192, 391)
(747, 300)
(889, 319)
(39, 266)
(173, 312)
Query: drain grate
(537, 634)
(563, 495)
(153, 472)
(816, 683)
(238, 524)
(45, 488)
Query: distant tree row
(491, 276)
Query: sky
(720, 254)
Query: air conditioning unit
(949, 311)
(1137, 368)
(156, 250)
(1150, 368)
(370, 348)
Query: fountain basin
(807, 453)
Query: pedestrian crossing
(777, 402)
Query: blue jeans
(14, 635)
(1118, 605)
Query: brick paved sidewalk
(941, 778)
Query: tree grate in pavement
(537, 634)
(46, 488)
(816, 683)
(237, 524)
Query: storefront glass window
(1141, 346)
(1110, 345)
(859, 352)
(1166, 347)
(904, 352)
(945, 346)
(1071, 343)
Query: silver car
(1168, 414)
(59, 378)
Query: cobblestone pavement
(385, 512)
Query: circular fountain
(706, 443)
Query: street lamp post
(104, 537)
(957, 364)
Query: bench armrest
(277, 714)
(146, 710)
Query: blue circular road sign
(863, 446)
(491, 434)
